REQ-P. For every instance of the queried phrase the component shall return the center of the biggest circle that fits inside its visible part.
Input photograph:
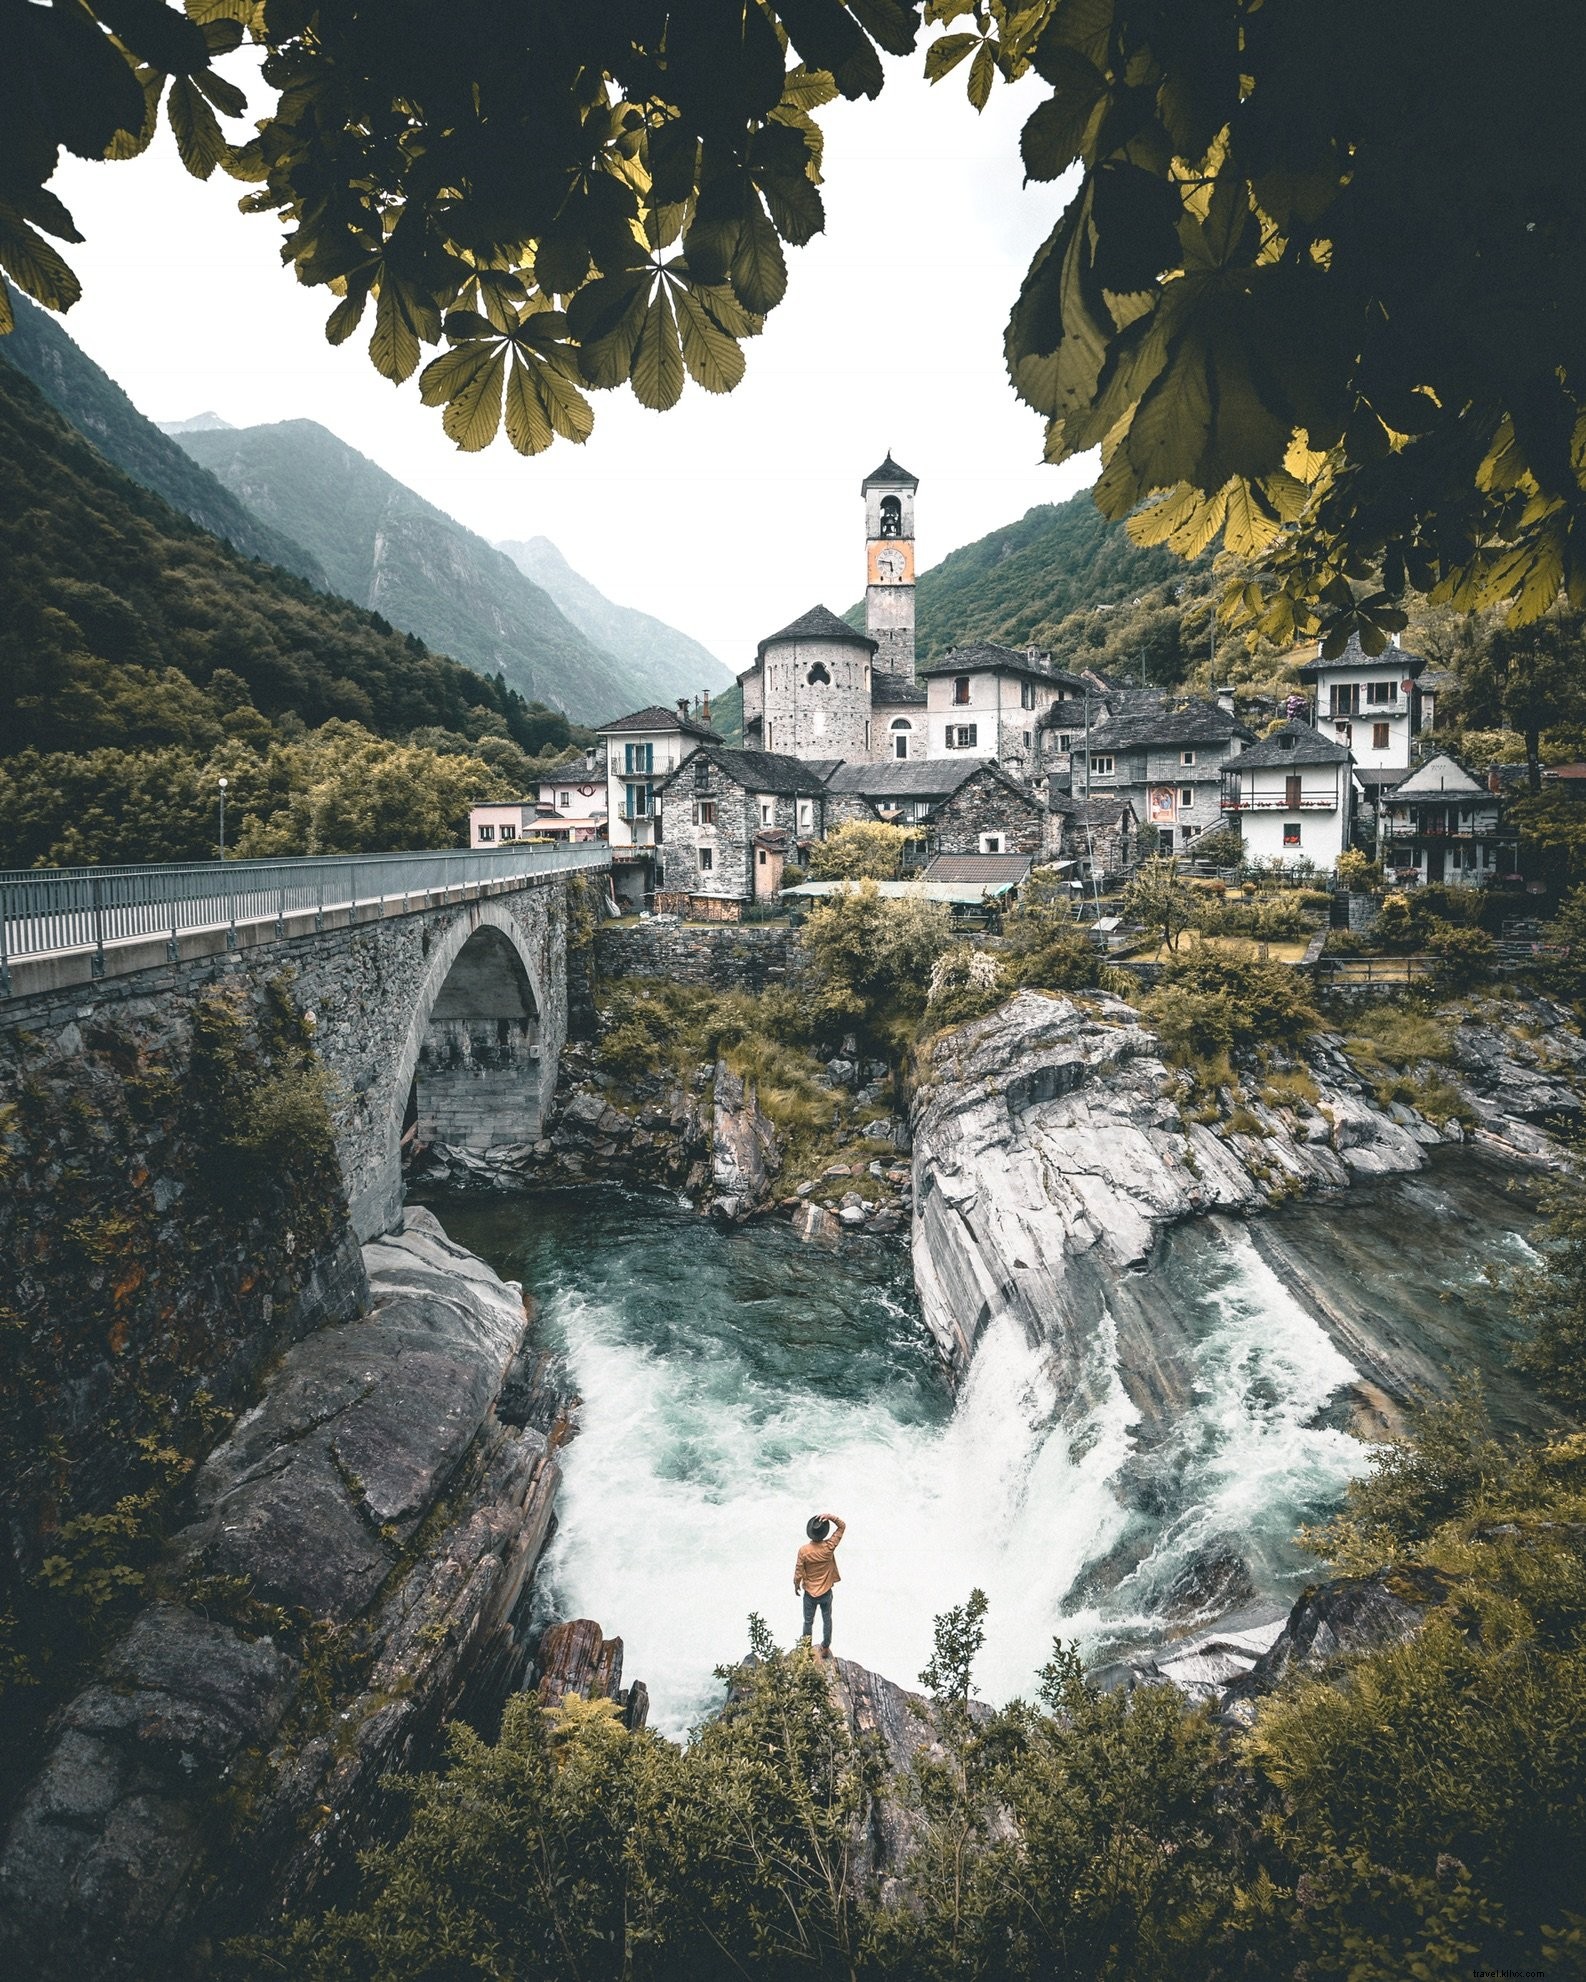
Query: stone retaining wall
(723, 956)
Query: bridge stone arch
(486, 1017)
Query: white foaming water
(683, 1509)
(1250, 1467)
(734, 1383)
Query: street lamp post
(223, 818)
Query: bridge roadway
(436, 983)
(73, 925)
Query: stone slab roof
(890, 473)
(914, 777)
(655, 717)
(895, 691)
(1355, 656)
(819, 623)
(1295, 743)
(987, 868)
(755, 770)
(1437, 775)
(987, 657)
(1195, 722)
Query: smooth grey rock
(744, 1152)
(852, 1215)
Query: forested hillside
(92, 401)
(389, 549)
(140, 658)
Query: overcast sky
(727, 516)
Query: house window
(1065, 741)
(638, 759)
(509, 832)
(1291, 833)
(1187, 833)
(819, 676)
(1026, 694)
(564, 799)
(1291, 793)
(704, 812)
(1186, 757)
(762, 856)
(991, 843)
(1026, 739)
(707, 859)
(962, 736)
(1345, 698)
(961, 690)
(702, 774)
(1186, 795)
(487, 833)
(1382, 691)
(767, 811)
(806, 815)
(638, 806)
(1380, 732)
(901, 730)
(1101, 766)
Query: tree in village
(1292, 297)
(1527, 679)
(1158, 897)
(862, 849)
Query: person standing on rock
(816, 1575)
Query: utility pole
(223, 818)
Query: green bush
(871, 959)
(1465, 955)
(862, 849)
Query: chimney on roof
(682, 707)
(1225, 697)
(705, 709)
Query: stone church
(821, 690)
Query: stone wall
(826, 717)
(723, 957)
(987, 804)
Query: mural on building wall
(1161, 806)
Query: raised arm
(839, 1524)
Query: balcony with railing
(1233, 800)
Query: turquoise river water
(735, 1382)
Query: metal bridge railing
(67, 910)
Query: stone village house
(727, 821)
(1166, 762)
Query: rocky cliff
(1052, 1149)
(356, 1568)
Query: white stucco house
(1291, 796)
(984, 700)
(641, 750)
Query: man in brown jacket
(815, 1574)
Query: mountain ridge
(387, 548)
(89, 399)
(674, 663)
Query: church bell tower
(889, 566)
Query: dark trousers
(824, 1606)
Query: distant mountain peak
(671, 663)
(200, 423)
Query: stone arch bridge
(438, 983)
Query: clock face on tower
(891, 561)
